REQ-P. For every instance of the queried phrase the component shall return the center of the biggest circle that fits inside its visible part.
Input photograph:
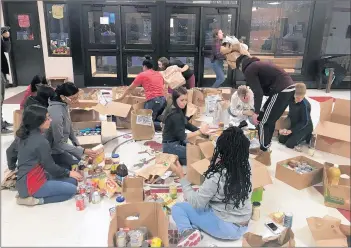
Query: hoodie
(61, 130)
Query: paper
(144, 120)
(104, 20)
(23, 21)
(57, 11)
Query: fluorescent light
(274, 3)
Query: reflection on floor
(61, 225)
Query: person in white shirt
(241, 106)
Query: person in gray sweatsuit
(61, 129)
(222, 205)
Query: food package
(101, 154)
(112, 188)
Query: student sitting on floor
(301, 127)
(241, 106)
(174, 138)
(43, 94)
(222, 205)
(32, 89)
(39, 179)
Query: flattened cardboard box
(296, 180)
(333, 129)
(150, 215)
(329, 232)
(133, 189)
(337, 196)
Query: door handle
(37, 46)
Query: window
(337, 29)
(102, 28)
(182, 29)
(57, 26)
(103, 66)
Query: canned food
(112, 211)
(288, 218)
(80, 206)
(86, 199)
(121, 238)
(136, 238)
(82, 189)
(173, 191)
(96, 197)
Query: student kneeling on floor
(301, 127)
(222, 206)
(39, 179)
(174, 138)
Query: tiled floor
(61, 225)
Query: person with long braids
(222, 206)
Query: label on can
(80, 206)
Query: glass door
(139, 37)
(101, 45)
(215, 18)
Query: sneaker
(4, 130)
(7, 124)
(190, 238)
(29, 201)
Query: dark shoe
(6, 131)
(7, 124)
(242, 124)
(190, 238)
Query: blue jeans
(177, 148)
(218, 68)
(157, 105)
(57, 190)
(186, 217)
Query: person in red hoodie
(32, 88)
(39, 179)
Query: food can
(136, 238)
(173, 191)
(86, 199)
(96, 198)
(121, 238)
(82, 189)
(89, 192)
(288, 218)
(80, 206)
(112, 211)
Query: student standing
(174, 138)
(153, 84)
(217, 58)
(39, 179)
(222, 205)
(301, 126)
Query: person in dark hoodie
(174, 138)
(265, 79)
(39, 179)
(61, 128)
(44, 92)
(301, 125)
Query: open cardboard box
(150, 215)
(133, 189)
(285, 239)
(333, 129)
(337, 196)
(125, 108)
(329, 232)
(296, 180)
(108, 131)
(83, 111)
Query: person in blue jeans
(222, 205)
(217, 58)
(174, 138)
(39, 179)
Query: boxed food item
(299, 172)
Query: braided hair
(231, 160)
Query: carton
(108, 131)
(329, 232)
(83, 111)
(337, 196)
(149, 215)
(133, 189)
(285, 239)
(17, 120)
(296, 180)
(333, 129)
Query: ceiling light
(274, 3)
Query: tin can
(74, 167)
(89, 192)
(80, 206)
(82, 189)
(136, 238)
(112, 211)
(86, 199)
(96, 198)
(173, 191)
(288, 218)
(121, 238)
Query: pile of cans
(89, 131)
(303, 168)
(138, 237)
(87, 194)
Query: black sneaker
(6, 131)
(7, 124)
(190, 238)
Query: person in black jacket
(301, 126)
(174, 138)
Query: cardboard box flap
(326, 109)
(260, 174)
(285, 239)
(133, 189)
(333, 130)
(108, 130)
(114, 108)
(201, 166)
(341, 112)
(133, 182)
(84, 104)
(207, 149)
(191, 110)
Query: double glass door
(116, 39)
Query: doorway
(26, 55)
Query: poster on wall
(23, 21)
(104, 20)
(57, 11)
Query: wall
(54, 66)
(4, 24)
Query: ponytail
(22, 132)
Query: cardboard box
(108, 132)
(83, 111)
(150, 215)
(124, 118)
(333, 129)
(296, 180)
(285, 239)
(133, 189)
(196, 170)
(260, 174)
(17, 120)
(329, 232)
(337, 196)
